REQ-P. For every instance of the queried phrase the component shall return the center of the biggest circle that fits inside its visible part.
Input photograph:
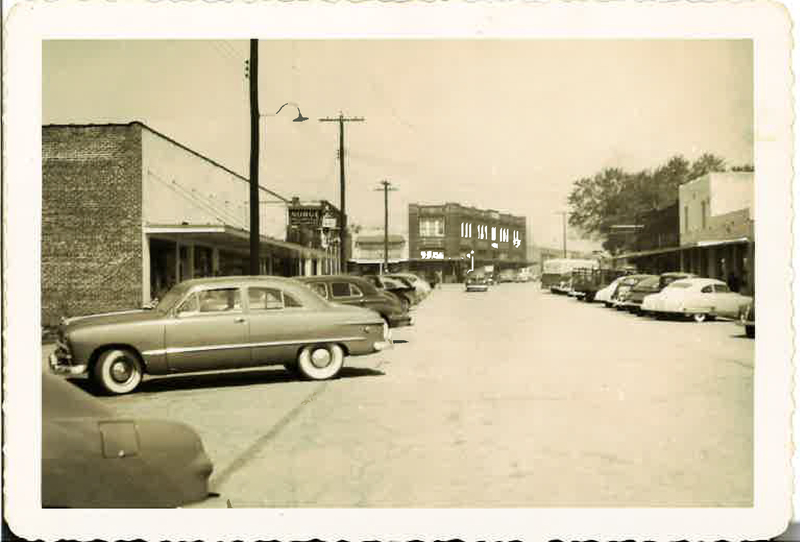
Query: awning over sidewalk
(231, 238)
(669, 250)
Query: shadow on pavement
(265, 376)
(400, 341)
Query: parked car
(92, 458)
(648, 287)
(421, 285)
(477, 283)
(524, 275)
(589, 280)
(623, 290)
(404, 292)
(604, 294)
(747, 318)
(217, 324)
(507, 275)
(697, 298)
(645, 287)
(358, 292)
(665, 279)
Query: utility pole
(341, 119)
(387, 187)
(564, 229)
(255, 117)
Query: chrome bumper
(380, 346)
(60, 364)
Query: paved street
(511, 398)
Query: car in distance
(622, 292)
(422, 286)
(92, 458)
(404, 292)
(603, 295)
(358, 292)
(218, 324)
(645, 287)
(747, 318)
(697, 298)
(477, 283)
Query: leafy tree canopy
(613, 197)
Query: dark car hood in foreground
(93, 459)
(110, 318)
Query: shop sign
(304, 216)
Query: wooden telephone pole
(386, 188)
(341, 119)
(255, 227)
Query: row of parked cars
(307, 324)
(673, 294)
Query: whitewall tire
(321, 361)
(118, 371)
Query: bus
(557, 273)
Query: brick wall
(91, 219)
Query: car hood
(120, 317)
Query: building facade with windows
(368, 252)
(709, 231)
(717, 235)
(452, 238)
(127, 212)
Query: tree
(614, 197)
(707, 163)
(744, 167)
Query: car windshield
(171, 298)
(648, 282)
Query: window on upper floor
(431, 227)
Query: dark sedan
(404, 292)
(636, 295)
(92, 458)
(358, 292)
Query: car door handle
(239, 319)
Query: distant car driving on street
(217, 324)
(697, 298)
(477, 283)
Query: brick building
(127, 212)
(453, 233)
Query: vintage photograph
(468, 288)
(295, 274)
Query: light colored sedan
(696, 298)
(216, 324)
(604, 294)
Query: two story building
(717, 228)
(451, 239)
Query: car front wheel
(118, 371)
(321, 362)
(750, 331)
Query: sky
(493, 123)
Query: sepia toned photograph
(499, 273)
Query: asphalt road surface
(511, 398)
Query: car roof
(700, 281)
(238, 280)
(685, 274)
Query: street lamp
(255, 206)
